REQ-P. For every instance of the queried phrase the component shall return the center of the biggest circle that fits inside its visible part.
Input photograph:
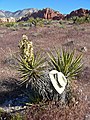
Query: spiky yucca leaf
(66, 63)
(31, 69)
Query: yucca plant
(66, 62)
(70, 66)
(31, 65)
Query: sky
(63, 6)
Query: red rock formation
(51, 14)
(46, 14)
(80, 13)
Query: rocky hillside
(18, 13)
(80, 13)
(46, 13)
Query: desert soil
(45, 38)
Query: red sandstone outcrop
(80, 13)
(46, 14)
(51, 14)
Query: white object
(61, 79)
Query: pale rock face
(3, 20)
(58, 83)
(11, 19)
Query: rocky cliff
(46, 13)
(80, 13)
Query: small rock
(87, 117)
(83, 49)
(86, 97)
(69, 43)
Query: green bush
(11, 24)
(81, 20)
(36, 22)
(17, 116)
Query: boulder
(11, 19)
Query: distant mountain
(46, 13)
(17, 14)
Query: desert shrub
(21, 24)
(36, 22)
(80, 20)
(25, 24)
(17, 116)
(39, 21)
(11, 24)
(32, 21)
(4, 115)
(7, 116)
(74, 19)
(1, 24)
(1, 111)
